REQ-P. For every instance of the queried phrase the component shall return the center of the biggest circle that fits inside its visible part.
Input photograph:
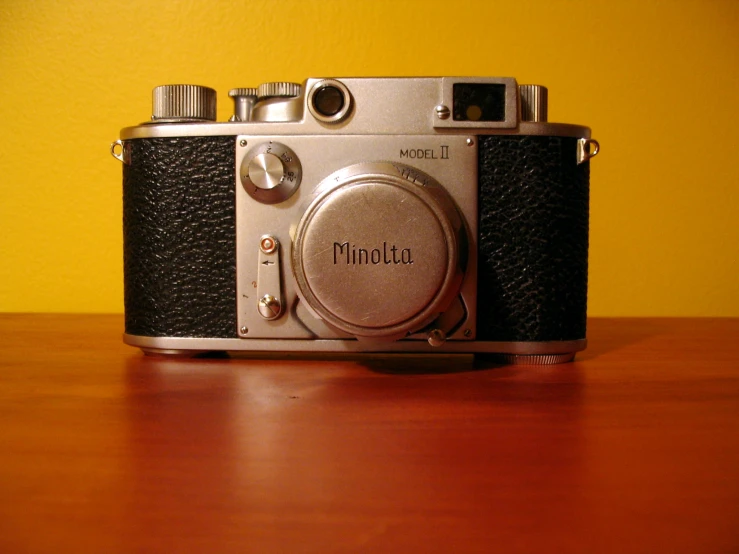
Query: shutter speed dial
(270, 172)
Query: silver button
(436, 337)
(269, 307)
(266, 171)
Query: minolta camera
(357, 215)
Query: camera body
(357, 215)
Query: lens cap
(377, 254)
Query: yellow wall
(657, 81)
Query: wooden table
(632, 448)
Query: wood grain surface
(632, 448)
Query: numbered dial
(270, 172)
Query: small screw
(468, 332)
(442, 112)
(470, 142)
(242, 142)
(244, 330)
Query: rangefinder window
(479, 102)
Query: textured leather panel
(533, 262)
(179, 226)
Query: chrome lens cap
(377, 252)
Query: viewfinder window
(479, 102)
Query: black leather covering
(533, 263)
(179, 227)
(179, 238)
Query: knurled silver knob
(533, 103)
(278, 89)
(183, 102)
(234, 92)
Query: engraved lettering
(425, 153)
(350, 254)
(341, 250)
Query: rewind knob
(180, 103)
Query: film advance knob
(183, 103)
(277, 102)
(278, 90)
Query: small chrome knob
(279, 90)
(436, 337)
(269, 307)
(183, 102)
(244, 99)
(266, 171)
(533, 103)
(270, 172)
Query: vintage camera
(357, 215)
